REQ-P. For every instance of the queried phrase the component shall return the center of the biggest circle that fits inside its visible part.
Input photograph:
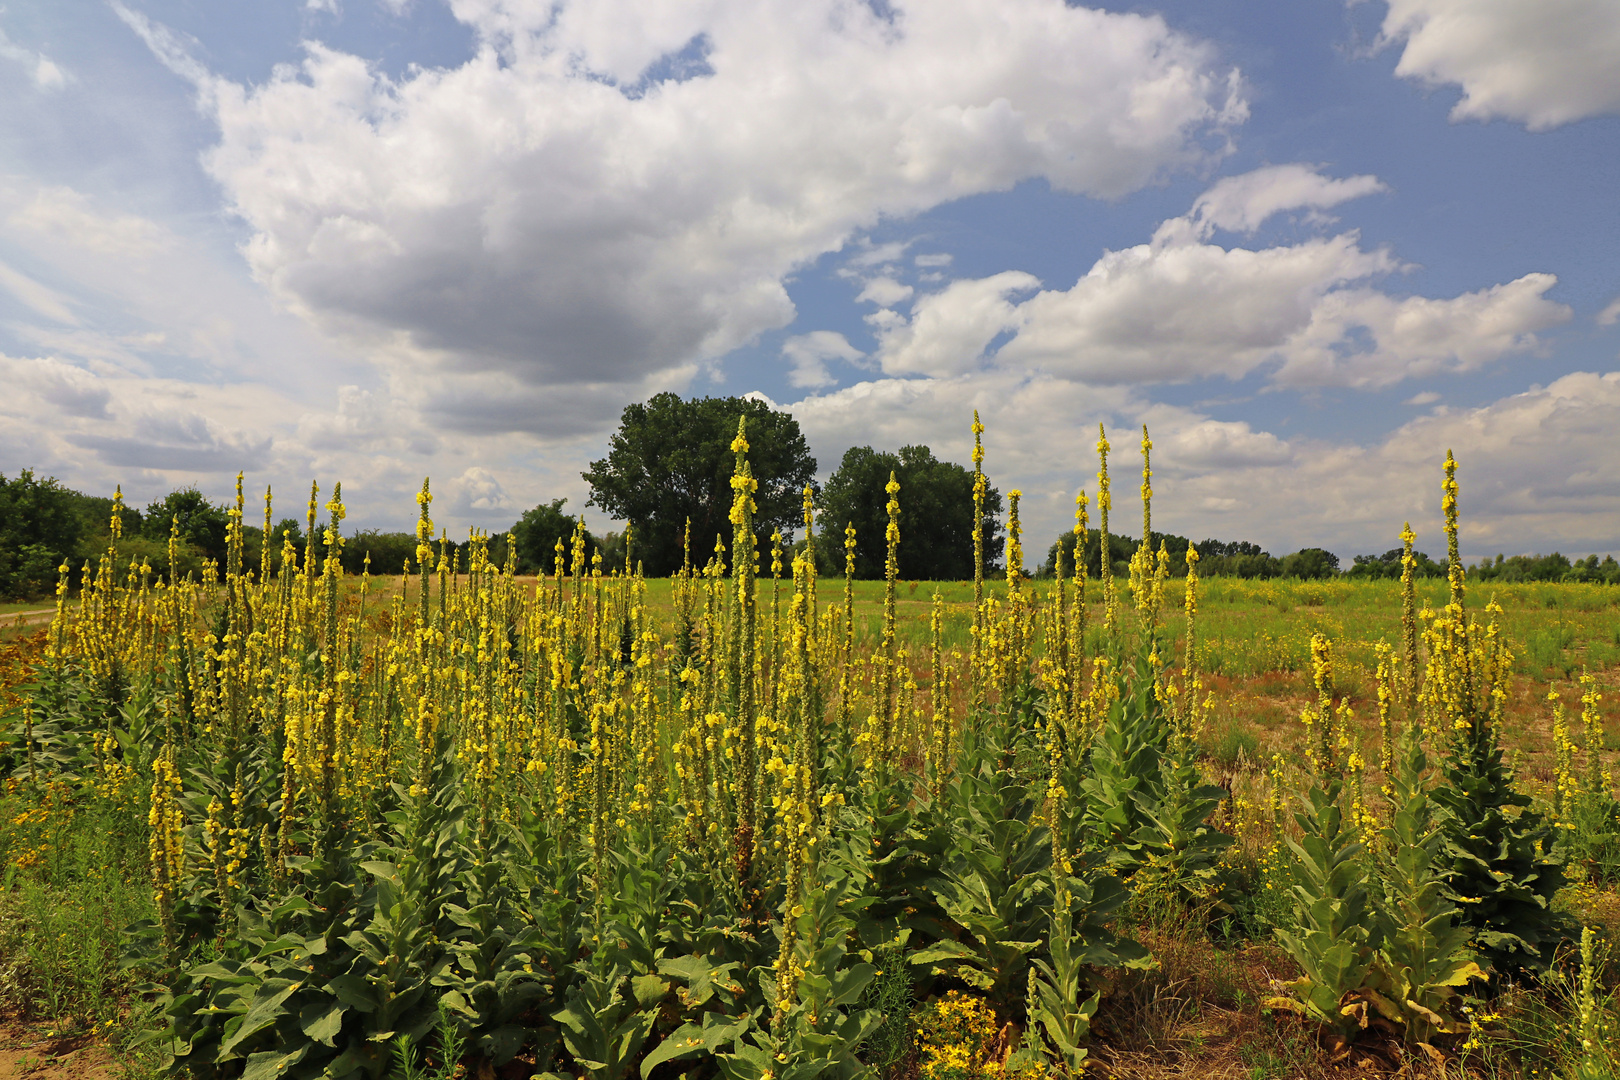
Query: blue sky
(1312, 245)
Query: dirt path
(37, 1053)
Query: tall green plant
(1424, 958)
(1497, 854)
(1338, 935)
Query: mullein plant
(1337, 934)
(1585, 810)
(1424, 962)
(1144, 806)
(1497, 859)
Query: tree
(41, 523)
(536, 534)
(671, 461)
(1388, 565)
(1236, 558)
(936, 515)
(202, 524)
(1310, 563)
(1121, 547)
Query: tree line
(668, 474)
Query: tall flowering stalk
(1496, 863)
(881, 728)
(981, 490)
(741, 662)
(1105, 502)
(167, 845)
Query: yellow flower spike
(1104, 504)
(1448, 506)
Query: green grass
(63, 913)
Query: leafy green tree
(95, 512)
(388, 551)
(1388, 565)
(536, 534)
(1236, 558)
(202, 524)
(1310, 564)
(41, 524)
(936, 515)
(671, 461)
(1120, 549)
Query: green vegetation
(299, 823)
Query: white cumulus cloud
(1243, 203)
(1540, 62)
(1179, 307)
(809, 353)
(611, 189)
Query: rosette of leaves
(1145, 805)
(1496, 856)
(492, 981)
(1061, 998)
(997, 888)
(819, 1029)
(334, 975)
(1424, 958)
(1338, 935)
(993, 887)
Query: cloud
(42, 299)
(1544, 64)
(1243, 203)
(1537, 465)
(1179, 308)
(809, 353)
(884, 292)
(73, 391)
(177, 440)
(476, 493)
(1174, 311)
(1427, 397)
(1611, 314)
(935, 259)
(949, 330)
(68, 216)
(574, 205)
(44, 72)
(1359, 337)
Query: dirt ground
(37, 1052)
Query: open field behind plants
(766, 823)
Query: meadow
(763, 822)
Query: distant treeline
(44, 524)
(1216, 558)
(1554, 567)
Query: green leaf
(322, 1021)
(649, 989)
(269, 1065)
(353, 991)
(265, 1010)
(685, 1041)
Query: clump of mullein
(1497, 862)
